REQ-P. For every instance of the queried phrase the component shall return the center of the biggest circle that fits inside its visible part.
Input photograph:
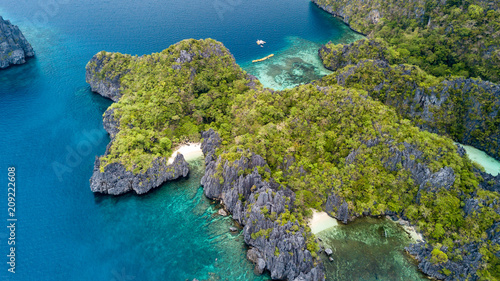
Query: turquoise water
(176, 227)
(51, 128)
(490, 164)
(368, 249)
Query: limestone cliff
(442, 37)
(14, 48)
(278, 246)
(464, 108)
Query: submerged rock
(222, 212)
(14, 48)
(105, 83)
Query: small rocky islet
(14, 48)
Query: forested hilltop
(465, 109)
(273, 155)
(445, 37)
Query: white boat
(261, 42)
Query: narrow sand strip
(190, 151)
(321, 221)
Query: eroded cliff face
(352, 152)
(14, 48)
(261, 206)
(466, 32)
(364, 16)
(466, 109)
(115, 178)
(410, 159)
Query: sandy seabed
(321, 221)
(190, 151)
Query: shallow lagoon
(369, 249)
(490, 164)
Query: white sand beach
(321, 221)
(190, 151)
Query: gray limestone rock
(14, 48)
(275, 247)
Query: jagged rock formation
(277, 246)
(107, 84)
(335, 57)
(328, 144)
(466, 31)
(116, 180)
(364, 16)
(410, 159)
(14, 48)
(466, 109)
(489, 182)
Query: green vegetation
(455, 37)
(470, 112)
(438, 256)
(166, 102)
(312, 130)
(335, 56)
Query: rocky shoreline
(338, 14)
(448, 107)
(115, 179)
(280, 248)
(273, 227)
(108, 87)
(422, 251)
(14, 48)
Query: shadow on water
(15, 78)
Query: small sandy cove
(321, 221)
(190, 151)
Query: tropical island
(374, 138)
(14, 48)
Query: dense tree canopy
(454, 37)
(316, 141)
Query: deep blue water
(51, 130)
